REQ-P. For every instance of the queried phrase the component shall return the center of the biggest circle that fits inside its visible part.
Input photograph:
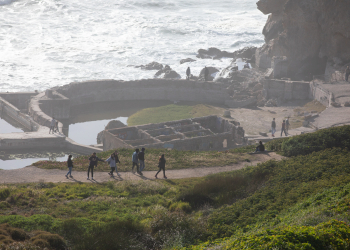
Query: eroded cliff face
(309, 32)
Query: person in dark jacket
(93, 162)
(284, 128)
(260, 147)
(188, 73)
(273, 127)
(70, 166)
(206, 73)
(161, 166)
(135, 161)
(116, 161)
(141, 157)
(347, 73)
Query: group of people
(206, 73)
(138, 160)
(53, 125)
(284, 128)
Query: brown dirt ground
(34, 174)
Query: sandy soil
(34, 174)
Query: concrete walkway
(34, 174)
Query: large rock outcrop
(308, 32)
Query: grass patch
(175, 159)
(170, 112)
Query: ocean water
(45, 43)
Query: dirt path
(34, 174)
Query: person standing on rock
(206, 73)
(188, 73)
(283, 128)
(93, 162)
(273, 127)
(70, 166)
(135, 161)
(161, 166)
(52, 125)
(347, 73)
(141, 157)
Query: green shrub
(4, 193)
(54, 240)
(312, 142)
(180, 207)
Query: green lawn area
(170, 112)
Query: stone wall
(320, 94)
(18, 99)
(202, 133)
(152, 89)
(287, 90)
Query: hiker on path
(112, 164)
(188, 73)
(141, 157)
(56, 127)
(347, 73)
(206, 73)
(135, 161)
(52, 125)
(70, 166)
(260, 147)
(161, 166)
(287, 125)
(273, 127)
(93, 162)
(283, 128)
(116, 161)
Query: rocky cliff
(313, 34)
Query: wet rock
(347, 104)
(151, 66)
(162, 71)
(111, 125)
(335, 104)
(213, 53)
(246, 52)
(171, 74)
(187, 60)
(212, 70)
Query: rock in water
(187, 60)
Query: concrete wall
(18, 99)
(31, 143)
(24, 120)
(152, 89)
(287, 90)
(320, 94)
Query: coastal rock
(111, 125)
(162, 71)
(213, 53)
(307, 32)
(212, 70)
(151, 66)
(187, 60)
(347, 104)
(171, 74)
(246, 52)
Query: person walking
(93, 162)
(161, 166)
(188, 73)
(283, 128)
(141, 157)
(287, 125)
(206, 73)
(112, 164)
(273, 127)
(70, 166)
(347, 73)
(52, 125)
(116, 161)
(135, 161)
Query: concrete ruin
(204, 133)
